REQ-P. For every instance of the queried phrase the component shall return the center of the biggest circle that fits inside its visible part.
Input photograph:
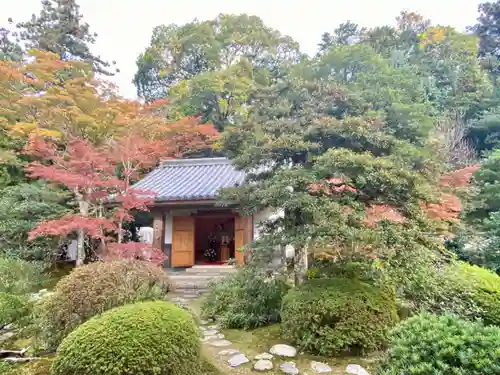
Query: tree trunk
(80, 248)
(120, 232)
(80, 242)
(300, 265)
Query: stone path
(263, 362)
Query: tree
(9, 49)
(179, 53)
(345, 34)
(328, 172)
(22, 207)
(487, 29)
(86, 172)
(143, 142)
(52, 97)
(59, 29)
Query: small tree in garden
(87, 174)
(94, 174)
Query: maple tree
(86, 172)
(95, 173)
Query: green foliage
(59, 28)
(331, 316)
(484, 289)
(89, 290)
(39, 367)
(434, 345)
(13, 308)
(142, 338)
(246, 299)
(22, 207)
(201, 47)
(20, 277)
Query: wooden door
(243, 228)
(183, 241)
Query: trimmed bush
(93, 289)
(332, 316)
(145, 338)
(246, 299)
(434, 345)
(484, 289)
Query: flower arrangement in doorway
(210, 254)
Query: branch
(4, 353)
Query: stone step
(195, 277)
(210, 269)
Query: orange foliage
(447, 210)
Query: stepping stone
(282, 350)
(289, 368)
(218, 336)
(178, 300)
(216, 328)
(263, 365)
(356, 370)
(228, 352)
(204, 322)
(210, 332)
(190, 295)
(320, 368)
(238, 360)
(264, 356)
(220, 343)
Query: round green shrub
(92, 289)
(249, 298)
(484, 289)
(145, 338)
(436, 345)
(331, 316)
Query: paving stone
(210, 332)
(289, 368)
(228, 352)
(214, 327)
(282, 350)
(263, 365)
(204, 322)
(220, 343)
(264, 356)
(356, 370)
(218, 336)
(238, 360)
(320, 368)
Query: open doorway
(214, 239)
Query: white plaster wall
(168, 228)
(261, 216)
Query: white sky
(125, 26)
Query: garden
(380, 156)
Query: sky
(125, 26)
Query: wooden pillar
(243, 235)
(158, 229)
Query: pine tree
(59, 28)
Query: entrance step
(195, 281)
(210, 269)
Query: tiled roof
(191, 179)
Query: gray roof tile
(191, 179)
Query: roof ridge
(196, 162)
